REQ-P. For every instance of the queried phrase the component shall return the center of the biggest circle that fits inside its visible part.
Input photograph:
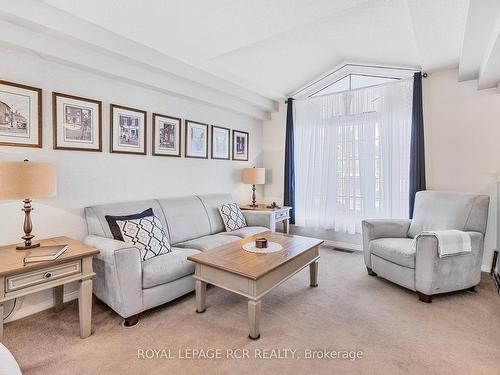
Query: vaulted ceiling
(256, 51)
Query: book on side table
(46, 253)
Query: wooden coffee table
(253, 275)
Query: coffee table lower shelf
(253, 288)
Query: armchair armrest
(382, 228)
(258, 219)
(118, 280)
(435, 275)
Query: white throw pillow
(232, 216)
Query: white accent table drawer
(42, 276)
(281, 215)
(273, 216)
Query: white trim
(55, 35)
(24, 311)
(485, 268)
(343, 245)
(346, 68)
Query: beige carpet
(456, 334)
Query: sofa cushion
(211, 203)
(143, 230)
(232, 217)
(167, 267)
(246, 231)
(186, 218)
(395, 250)
(208, 242)
(96, 221)
(437, 210)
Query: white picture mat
(26, 101)
(159, 121)
(140, 148)
(219, 133)
(60, 141)
(196, 129)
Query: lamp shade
(26, 179)
(254, 176)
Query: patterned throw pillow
(143, 230)
(232, 217)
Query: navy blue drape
(417, 148)
(289, 194)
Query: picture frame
(240, 145)
(128, 130)
(196, 140)
(20, 115)
(76, 122)
(221, 142)
(166, 135)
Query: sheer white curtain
(352, 156)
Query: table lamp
(254, 176)
(26, 180)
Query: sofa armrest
(382, 228)
(258, 219)
(435, 275)
(118, 280)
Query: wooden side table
(18, 279)
(276, 215)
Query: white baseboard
(22, 311)
(343, 245)
(485, 268)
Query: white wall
(273, 151)
(462, 136)
(88, 178)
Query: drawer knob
(47, 275)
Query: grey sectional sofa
(193, 224)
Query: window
(352, 154)
(353, 81)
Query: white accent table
(274, 216)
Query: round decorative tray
(272, 247)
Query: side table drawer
(41, 276)
(281, 215)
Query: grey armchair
(388, 250)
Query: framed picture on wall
(166, 135)
(127, 130)
(20, 115)
(77, 123)
(196, 140)
(240, 145)
(220, 142)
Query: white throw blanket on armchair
(450, 242)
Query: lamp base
(253, 197)
(27, 228)
(27, 247)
